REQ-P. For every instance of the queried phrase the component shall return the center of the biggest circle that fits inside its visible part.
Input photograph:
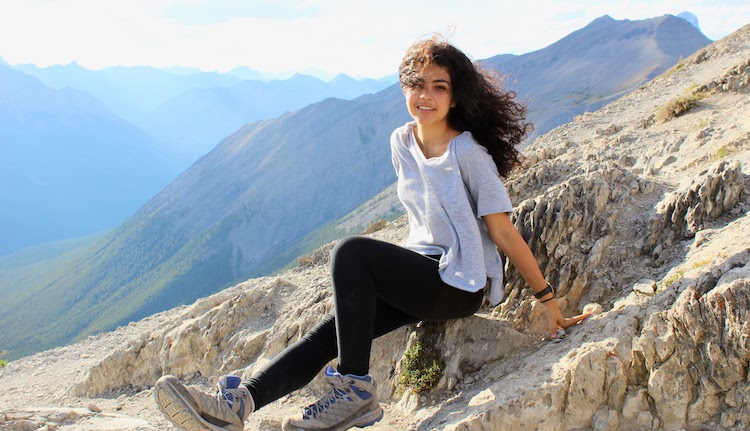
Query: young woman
(449, 163)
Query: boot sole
(178, 406)
(370, 418)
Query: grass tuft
(678, 106)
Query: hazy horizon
(185, 70)
(321, 38)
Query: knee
(350, 246)
(351, 251)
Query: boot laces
(221, 395)
(336, 393)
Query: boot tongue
(229, 382)
(226, 384)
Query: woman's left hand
(555, 319)
(505, 235)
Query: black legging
(377, 287)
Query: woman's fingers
(552, 325)
(552, 331)
(570, 321)
(563, 323)
(555, 318)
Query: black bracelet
(544, 292)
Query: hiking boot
(193, 410)
(351, 402)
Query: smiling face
(430, 99)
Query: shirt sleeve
(482, 180)
(397, 144)
(394, 158)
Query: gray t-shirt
(430, 231)
(445, 198)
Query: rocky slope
(642, 218)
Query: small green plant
(3, 363)
(676, 68)
(722, 152)
(422, 368)
(678, 106)
(672, 279)
(701, 263)
(679, 273)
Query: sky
(319, 37)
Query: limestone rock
(593, 308)
(735, 80)
(685, 211)
(569, 229)
(378, 225)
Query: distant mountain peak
(302, 77)
(73, 65)
(691, 18)
(342, 77)
(605, 19)
(245, 72)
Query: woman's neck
(433, 141)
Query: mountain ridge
(198, 118)
(615, 56)
(49, 110)
(154, 99)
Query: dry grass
(678, 106)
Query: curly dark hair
(492, 115)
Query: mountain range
(189, 111)
(129, 92)
(83, 149)
(194, 121)
(245, 208)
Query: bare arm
(512, 244)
